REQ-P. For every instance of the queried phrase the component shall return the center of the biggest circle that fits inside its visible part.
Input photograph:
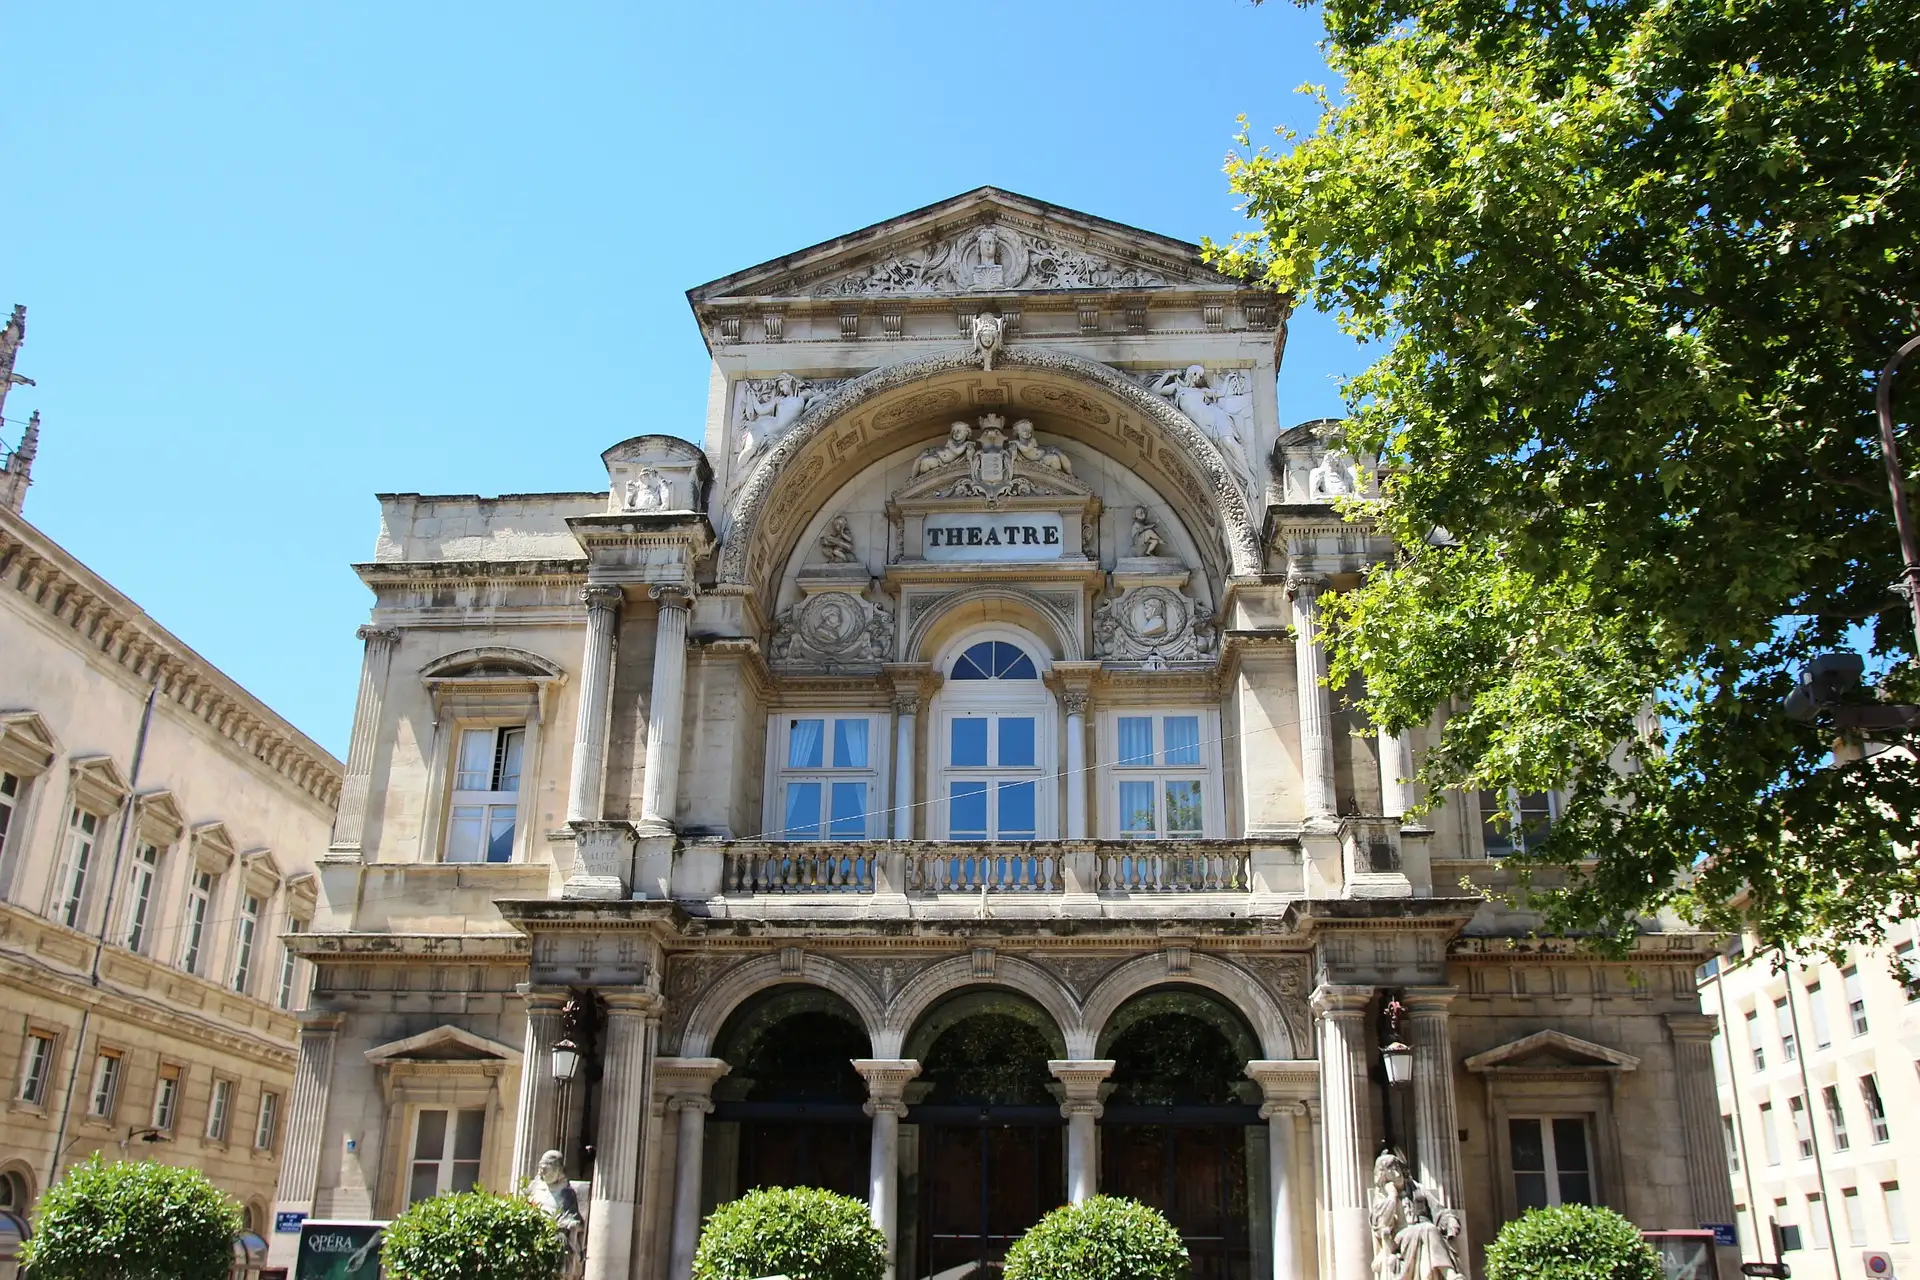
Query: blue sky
(280, 257)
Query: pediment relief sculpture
(830, 629)
(992, 257)
(1153, 625)
(765, 409)
(1220, 403)
(991, 462)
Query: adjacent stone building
(927, 788)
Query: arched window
(995, 746)
(994, 660)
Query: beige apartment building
(158, 826)
(1818, 1069)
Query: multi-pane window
(246, 930)
(70, 886)
(140, 882)
(1783, 1019)
(1817, 1008)
(36, 1067)
(1510, 820)
(1733, 1145)
(166, 1098)
(1768, 1138)
(105, 1094)
(266, 1127)
(1836, 1117)
(1753, 1039)
(1876, 1108)
(219, 1110)
(1856, 1000)
(828, 779)
(1896, 1211)
(1158, 772)
(446, 1152)
(1802, 1126)
(994, 746)
(1856, 1215)
(10, 789)
(289, 967)
(1551, 1163)
(486, 795)
(193, 935)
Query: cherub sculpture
(1145, 538)
(958, 444)
(836, 544)
(1027, 449)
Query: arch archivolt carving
(937, 982)
(847, 427)
(732, 988)
(1058, 610)
(1238, 987)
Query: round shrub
(132, 1218)
(1103, 1238)
(472, 1235)
(1571, 1242)
(802, 1232)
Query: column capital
(671, 595)
(1286, 1082)
(601, 595)
(371, 635)
(688, 1082)
(1069, 679)
(1693, 1026)
(1302, 585)
(887, 1080)
(541, 999)
(630, 1002)
(912, 683)
(1427, 1001)
(1082, 1081)
(1268, 1110)
(1332, 1000)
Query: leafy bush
(801, 1232)
(1571, 1242)
(472, 1235)
(132, 1218)
(1103, 1238)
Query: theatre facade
(927, 787)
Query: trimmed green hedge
(802, 1232)
(1571, 1242)
(1103, 1238)
(472, 1235)
(132, 1218)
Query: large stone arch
(886, 408)
(716, 1004)
(930, 985)
(1232, 983)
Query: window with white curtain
(245, 934)
(828, 782)
(486, 794)
(994, 743)
(1161, 774)
(193, 933)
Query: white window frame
(13, 806)
(166, 1098)
(220, 1109)
(79, 842)
(1817, 1009)
(1758, 1049)
(246, 933)
(1875, 1103)
(1895, 1206)
(445, 1166)
(1732, 1144)
(1836, 1116)
(1515, 848)
(143, 876)
(1550, 1157)
(487, 804)
(995, 700)
(202, 885)
(266, 1124)
(1856, 996)
(1769, 1136)
(1817, 1220)
(287, 987)
(36, 1072)
(1856, 1211)
(1114, 772)
(1783, 1023)
(103, 1091)
(874, 775)
(1799, 1116)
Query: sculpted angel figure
(1027, 449)
(646, 491)
(1334, 476)
(958, 444)
(1145, 538)
(768, 417)
(836, 544)
(1413, 1227)
(1213, 411)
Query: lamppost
(569, 1054)
(1396, 1058)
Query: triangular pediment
(1550, 1052)
(443, 1044)
(987, 242)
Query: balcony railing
(1115, 868)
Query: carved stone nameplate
(1014, 535)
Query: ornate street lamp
(1395, 1055)
(566, 1061)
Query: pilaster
(1343, 1084)
(356, 787)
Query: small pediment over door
(1548, 1053)
(443, 1044)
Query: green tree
(132, 1220)
(1571, 1242)
(472, 1235)
(1632, 264)
(1101, 1238)
(802, 1232)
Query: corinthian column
(626, 1092)
(666, 709)
(1081, 1083)
(688, 1084)
(1285, 1087)
(538, 1128)
(1343, 1054)
(356, 787)
(1316, 704)
(1436, 1126)
(886, 1085)
(307, 1114)
(596, 689)
(1700, 1116)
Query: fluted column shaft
(1342, 1012)
(886, 1084)
(538, 1130)
(1082, 1083)
(356, 785)
(1076, 704)
(1316, 703)
(688, 1084)
(1396, 769)
(1700, 1116)
(660, 794)
(626, 1094)
(584, 788)
(906, 719)
(307, 1114)
(1436, 1126)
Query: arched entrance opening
(1182, 1129)
(790, 1113)
(985, 1158)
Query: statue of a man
(1413, 1227)
(552, 1193)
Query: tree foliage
(1101, 1238)
(132, 1220)
(472, 1235)
(1633, 264)
(802, 1232)
(1572, 1242)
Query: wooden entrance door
(805, 1153)
(982, 1186)
(1196, 1175)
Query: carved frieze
(1220, 403)
(991, 258)
(765, 409)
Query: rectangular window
(105, 1095)
(829, 781)
(1856, 1000)
(1908, 964)
(1802, 1126)
(219, 1108)
(146, 870)
(1768, 1138)
(70, 887)
(1159, 777)
(1783, 1020)
(998, 795)
(1550, 1161)
(1836, 1117)
(486, 795)
(1753, 1038)
(1896, 1211)
(166, 1098)
(1817, 1220)
(10, 789)
(245, 931)
(289, 966)
(36, 1067)
(1817, 1006)
(194, 934)
(1733, 1146)
(1856, 1216)
(446, 1152)
(1876, 1108)
(1510, 819)
(267, 1126)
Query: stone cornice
(50, 582)
(393, 573)
(508, 948)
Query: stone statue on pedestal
(1413, 1227)
(551, 1192)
